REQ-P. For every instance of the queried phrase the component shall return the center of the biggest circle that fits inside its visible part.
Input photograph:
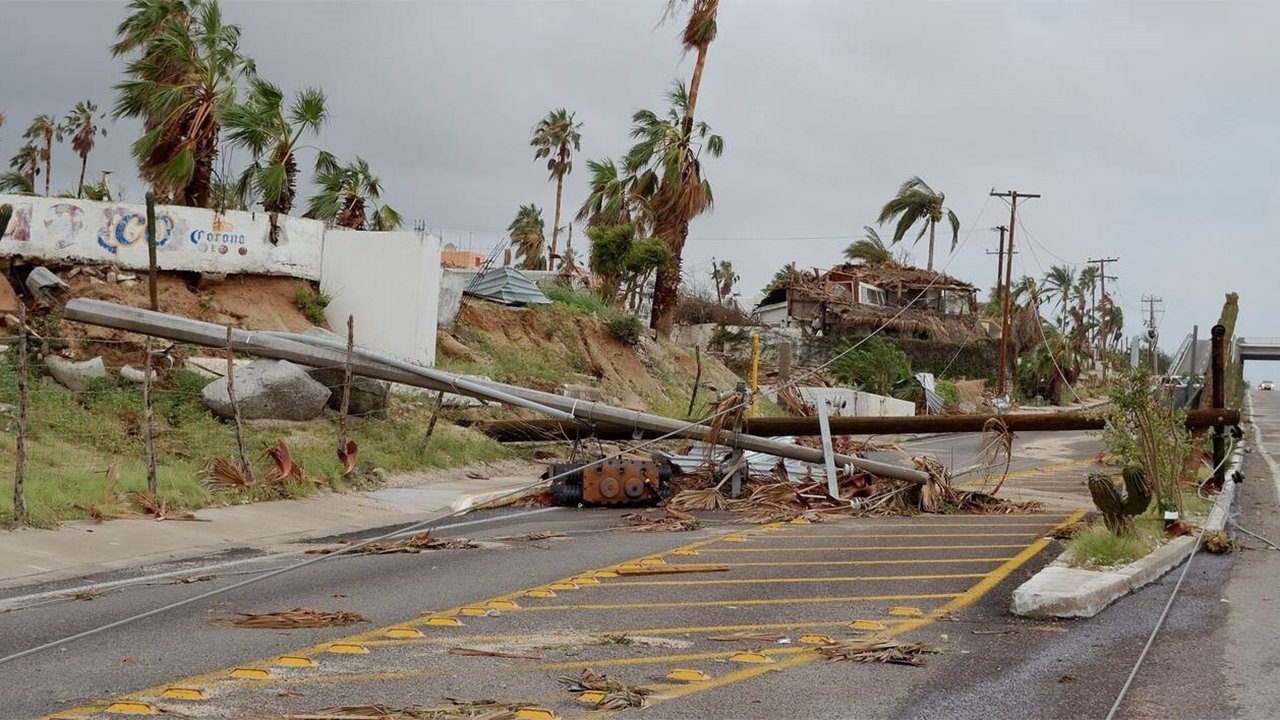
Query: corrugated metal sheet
(758, 464)
(505, 285)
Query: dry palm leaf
(286, 470)
(159, 507)
(412, 544)
(707, 499)
(224, 474)
(617, 696)
(114, 505)
(1218, 542)
(533, 536)
(300, 617)
(997, 449)
(347, 456)
(672, 521)
(881, 651)
(751, 637)
(477, 652)
(486, 710)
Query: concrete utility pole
(1103, 329)
(1150, 301)
(1013, 196)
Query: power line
(1013, 196)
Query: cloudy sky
(1149, 128)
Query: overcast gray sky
(1149, 128)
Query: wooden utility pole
(999, 265)
(1103, 329)
(1013, 196)
(151, 251)
(1150, 301)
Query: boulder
(75, 375)
(369, 397)
(135, 375)
(269, 390)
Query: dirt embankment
(547, 347)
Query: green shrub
(626, 328)
(876, 366)
(947, 389)
(582, 303)
(312, 303)
(1098, 547)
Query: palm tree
(666, 162)
(554, 138)
(1061, 279)
(180, 85)
(526, 232)
(83, 125)
(346, 192)
(699, 30)
(725, 278)
(917, 201)
(42, 133)
(24, 167)
(272, 133)
(610, 200)
(869, 249)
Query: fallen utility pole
(318, 352)
(541, 430)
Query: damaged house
(859, 299)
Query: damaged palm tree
(613, 694)
(879, 651)
(1118, 509)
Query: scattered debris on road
(300, 617)
(682, 569)
(613, 694)
(480, 652)
(412, 544)
(880, 651)
(750, 637)
(673, 521)
(1218, 542)
(458, 710)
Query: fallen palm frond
(533, 536)
(299, 617)
(997, 449)
(1218, 542)
(477, 652)
(286, 469)
(673, 521)
(617, 696)
(159, 507)
(412, 544)
(114, 505)
(224, 474)
(479, 710)
(881, 651)
(728, 411)
(706, 499)
(347, 456)
(750, 637)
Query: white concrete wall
(190, 239)
(390, 283)
(848, 402)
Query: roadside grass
(1097, 547)
(74, 437)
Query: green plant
(1118, 509)
(948, 390)
(626, 328)
(1144, 434)
(312, 302)
(1099, 547)
(876, 366)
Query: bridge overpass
(1256, 348)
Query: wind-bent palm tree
(556, 137)
(698, 33)
(526, 232)
(609, 198)
(667, 164)
(182, 82)
(914, 202)
(83, 124)
(725, 278)
(1061, 279)
(869, 249)
(269, 131)
(24, 167)
(346, 193)
(42, 133)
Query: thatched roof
(893, 275)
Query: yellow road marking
(917, 561)
(736, 603)
(881, 536)
(629, 632)
(963, 600)
(847, 548)
(768, 581)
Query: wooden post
(1218, 353)
(346, 386)
(148, 422)
(784, 362)
(755, 371)
(697, 380)
(20, 466)
(235, 410)
(151, 257)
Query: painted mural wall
(192, 239)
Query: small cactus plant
(1119, 508)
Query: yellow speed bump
(561, 586)
(652, 561)
(604, 574)
(295, 661)
(247, 673)
(540, 593)
(906, 611)
(750, 657)
(734, 538)
(348, 649)
(502, 605)
(592, 697)
(442, 621)
(866, 625)
(771, 527)
(687, 675)
(536, 713)
(403, 633)
(182, 693)
(585, 580)
(686, 551)
(475, 611)
(815, 639)
(128, 707)
(802, 520)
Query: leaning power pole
(1013, 196)
(1103, 330)
(1151, 301)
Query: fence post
(20, 467)
(147, 421)
(346, 387)
(1218, 356)
(235, 409)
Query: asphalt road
(957, 572)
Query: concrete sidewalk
(29, 556)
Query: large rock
(269, 390)
(368, 396)
(75, 375)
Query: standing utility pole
(1103, 329)
(999, 265)
(1013, 196)
(1150, 301)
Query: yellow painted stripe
(660, 659)
(754, 601)
(964, 600)
(913, 561)
(882, 536)
(926, 525)
(629, 632)
(848, 548)
(768, 581)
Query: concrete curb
(1062, 591)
